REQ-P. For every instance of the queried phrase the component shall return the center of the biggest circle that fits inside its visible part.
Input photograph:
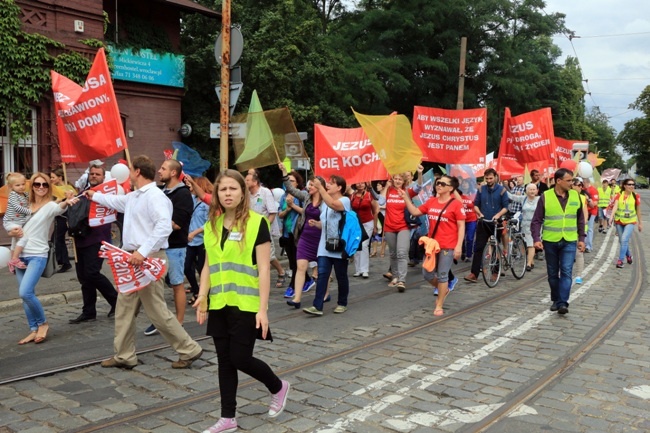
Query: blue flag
(192, 162)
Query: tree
(602, 138)
(635, 137)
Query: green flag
(258, 146)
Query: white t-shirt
(37, 230)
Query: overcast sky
(611, 64)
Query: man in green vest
(604, 194)
(558, 227)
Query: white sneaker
(224, 425)
(356, 274)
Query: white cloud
(612, 64)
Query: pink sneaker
(279, 400)
(224, 425)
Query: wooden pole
(461, 74)
(225, 84)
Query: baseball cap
(96, 162)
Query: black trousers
(89, 274)
(194, 260)
(60, 247)
(235, 341)
(484, 230)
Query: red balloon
(569, 164)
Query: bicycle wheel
(491, 263)
(517, 258)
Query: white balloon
(5, 256)
(120, 190)
(277, 194)
(120, 172)
(585, 169)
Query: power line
(610, 36)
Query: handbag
(51, 265)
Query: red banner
(347, 153)
(130, 278)
(451, 136)
(100, 215)
(530, 136)
(88, 119)
(563, 148)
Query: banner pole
(461, 74)
(128, 156)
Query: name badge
(235, 236)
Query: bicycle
(494, 258)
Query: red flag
(530, 136)
(130, 278)
(347, 153)
(100, 215)
(563, 148)
(451, 136)
(88, 119)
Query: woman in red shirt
(448, 214)
(396, 231)
(366, 208)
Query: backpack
(351, 231)
(78, 225)
(411, 221)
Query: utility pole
(461, 74)
(225, 84)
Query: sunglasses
(40, 185)
(630, 184)
(442, 184)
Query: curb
(46, 300)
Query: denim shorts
(176, 265)
(444, 260)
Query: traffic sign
(236, 46)
(235, 90)
(235, 130)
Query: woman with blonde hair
(34, 255)
(236, 278)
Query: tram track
(565, 365)
(209, 395)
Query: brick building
(149, 97)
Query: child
(16, 216)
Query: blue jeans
(559, 266)
(590, 232)
(470, 231)
(325, 265)
(27, 279)
(624, 234)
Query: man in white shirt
(147, 225)
(263, 202)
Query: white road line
(362, 414)
(503, 324)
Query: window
(20, 156)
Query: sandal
(393, 283)
(31, 337)
(279, 283)
(438, 312)
(192, 300)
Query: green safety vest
(234, 280)
(560, 224)
(626, 209)
(604, 196)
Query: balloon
(585, 169)
(277, 194)
(120, 190)
(569, 164)
(5, 256)
(120, 172)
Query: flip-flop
(31, 337)
(393, 283)
(438, 312)
(279, 283)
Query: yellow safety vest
(626, 210)
(584, 205)
(604, 196)
(560, 224)
(234, 280)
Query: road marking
(641, 391)
(362, 414)
(503, 324)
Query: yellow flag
(258, 144)
(392, 139)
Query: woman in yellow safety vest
(626, 214)
(234, 294)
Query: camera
(334, 245)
